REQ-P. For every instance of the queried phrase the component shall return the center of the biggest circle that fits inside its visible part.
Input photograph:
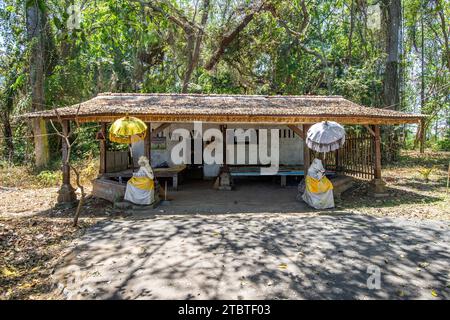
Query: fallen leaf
(9, 272)
(26, 285)
(282, 266)
(434, 293)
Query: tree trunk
(7, 134)
(350, 35)
(391, 92)
(422, 87)
(391, 81)
(35, 20)
(444, 32)
(194, 52)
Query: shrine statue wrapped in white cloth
(319, 190)
(141, 187)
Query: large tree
(391, 80)
(36, 33)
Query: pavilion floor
(256, 195)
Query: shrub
(443, 145)
(426, 172)
(49, 178)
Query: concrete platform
(199, 197)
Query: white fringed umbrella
(325, 136)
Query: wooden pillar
(422, 136)
(225, 180)
(306, 155)
(66, 193)
(224, 146)
(148, 142)
(336, 161)
(103, 149)
(379, 185)
(377, 152)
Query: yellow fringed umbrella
(128, 130)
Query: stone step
(341, 184)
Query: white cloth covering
(140, 196)
(322, 200)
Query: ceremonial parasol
(127, 130)
(325, 136)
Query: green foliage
(49, 178)
(124, 46)
(85, 145)
(443, 145)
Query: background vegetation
(380, 53)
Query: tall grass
(26, 176)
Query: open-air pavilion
(293, 115)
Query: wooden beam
(160, 128)
(260, 119)
(306, 155)
(422, 136)
(297, 130)
(377, 152)
(148, 142)
(223, 128)
(378, 183)
(103, 149)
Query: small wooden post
(103, 149)
(379, 185)
(66, 193)
(448, 177)
(306, 155)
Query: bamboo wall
(355, 158)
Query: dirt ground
(35, 234)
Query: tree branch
(66, 161)
(228, 38)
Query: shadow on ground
(359, 196)
(258, 256)
(248, 196)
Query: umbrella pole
(131, 156)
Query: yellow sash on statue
(318, 186)
(143, 183)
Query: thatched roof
(160, 107)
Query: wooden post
(66, 193)
(306, 156)
(103, 149)
(224, 146)
(148, 142)
(422, 136)
(337, 167)
(377, 152)
(225, 180)
(379, 185)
